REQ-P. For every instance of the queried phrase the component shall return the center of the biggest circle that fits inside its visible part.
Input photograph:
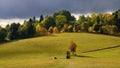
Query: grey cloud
(30, 8)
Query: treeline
(62, 21)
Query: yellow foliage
(40, 31)
(55, 30)
(110, 29)
(90, 29)
(65, 26)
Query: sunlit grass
(38, 52)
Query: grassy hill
(38, 52)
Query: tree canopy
(63, 21)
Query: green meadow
(93, 51)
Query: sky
(22, 9)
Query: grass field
(38, 52)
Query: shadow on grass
(100, 49)
(83, 56)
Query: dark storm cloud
(29, 8)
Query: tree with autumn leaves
(63, 21)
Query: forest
(60, 22)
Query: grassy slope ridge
(38, 52)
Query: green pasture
(39, 52)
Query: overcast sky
(30, 8)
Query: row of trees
(100, 23)
(62, 21)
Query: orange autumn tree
(72, 47)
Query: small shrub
(72, 47)
(55, 30)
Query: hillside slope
(38, 52)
